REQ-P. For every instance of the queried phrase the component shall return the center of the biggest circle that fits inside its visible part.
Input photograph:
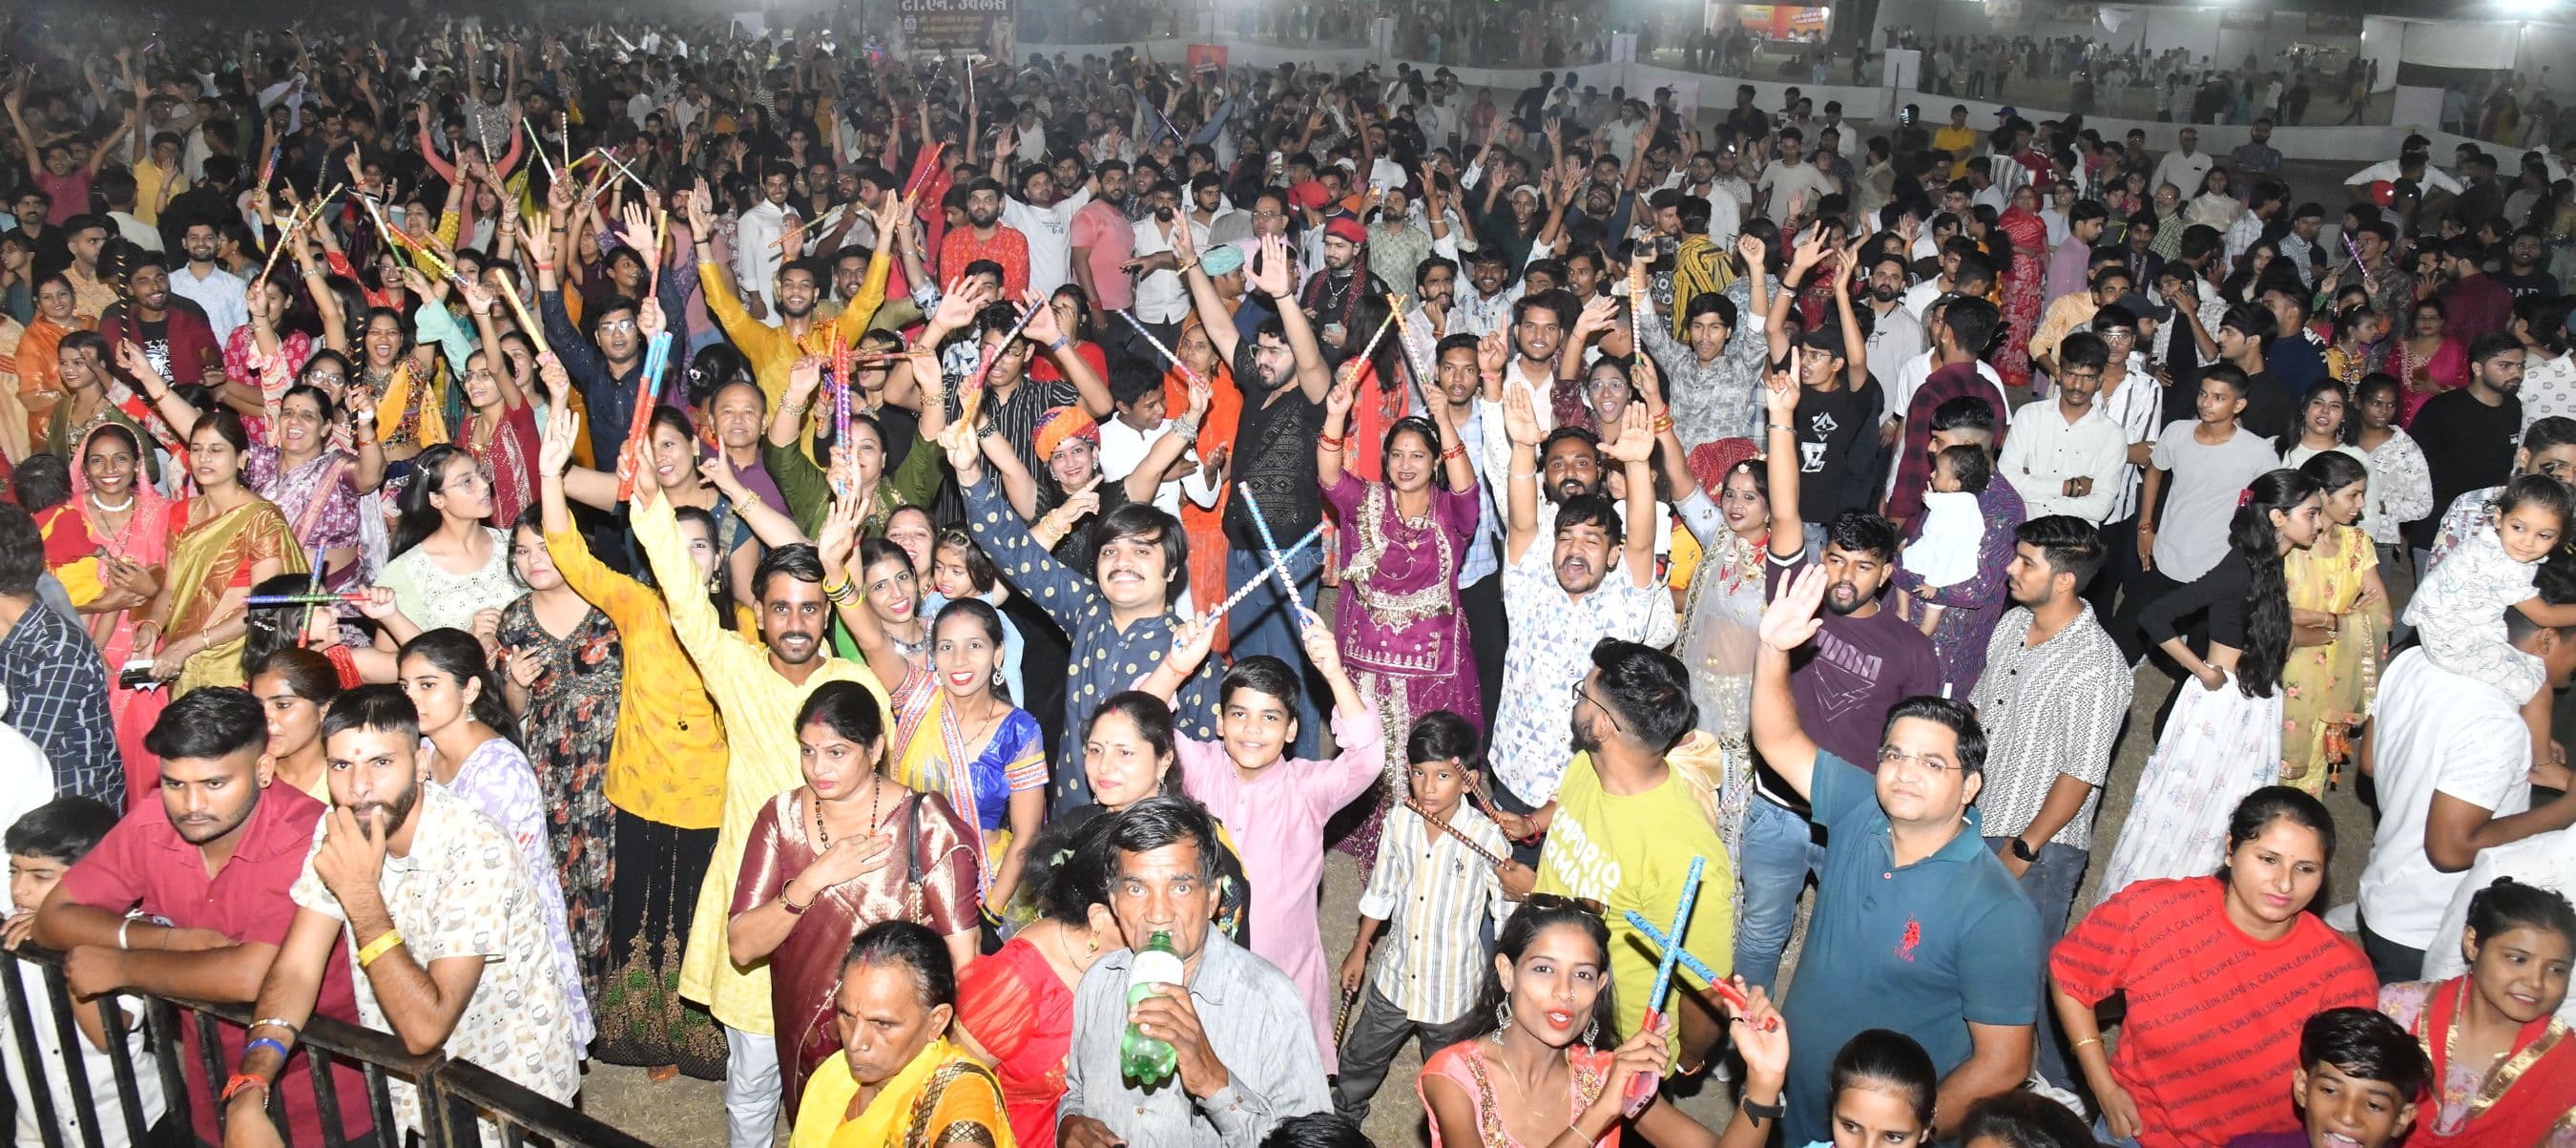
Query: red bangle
(545, 267)
(240, 1082)
(1458, 451)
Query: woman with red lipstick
(1543, 1075)
(2504, 1066)
(2219, 972)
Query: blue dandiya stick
(1246, 591)
(257, 601)
(1278, 561)
(1724, 988)
(1641, 1089)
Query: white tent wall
(2381, 39)
(2548, 60)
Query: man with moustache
(1561, 598)
(985, 236)
(1332, 294)
(173, 334)
(757, 255)
(446, 924)
(759, 688)
(1863, 660)
(1042, 216)
(772, 347)
(222, 295)
(1452, 380)
(214, 857)
(1917, 927)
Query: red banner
(1205, 58)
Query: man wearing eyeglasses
(1917, 927)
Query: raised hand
(1520, 419)
(1790, 620)
(554, 452)
(1275, 278)
(1636, 439)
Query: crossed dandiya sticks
(1278, 561)
(1159, 348)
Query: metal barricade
(456, 1096)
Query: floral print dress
(570, 723)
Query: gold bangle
(2086, 1041)
(379, 947)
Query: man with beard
(1626, 827)
(448, 927)
(1043, 217)
(1528, 360)
(1917, 927)
(2474, 442)
(1559, 599)
(175, 336)
(214, 856)
(1332, 295)
(756, 251)
(1435, 285)
(204, 281)
(1863, 661)
(985, 236)
(603, 362)
(1452, 380)
(2052, 700)
(1103, 240)
(1960, 338)
(759, 688)
(1282, 375)
(772, 348)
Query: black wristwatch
(2022, 850)
(1769, 1112)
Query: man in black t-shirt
(2469, 435)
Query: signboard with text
(952, 25)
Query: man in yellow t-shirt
(1623, 830)
(1958, 139)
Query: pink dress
(1463, 1064)
(1277, 822)
(2447, 368)
(145, 539)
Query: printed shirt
(1633, 852)
(464, 891)
(54, 688)
(497, 780)
(2212, 1031)
(1551, 649)
(2049, 709)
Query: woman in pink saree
(129, 522)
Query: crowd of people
(762, 558)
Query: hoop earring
(1502, 1017)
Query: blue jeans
(1778, 850)
(2102, 1132)
(2050, 882)
(1264, 623)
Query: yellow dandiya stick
(527, 326)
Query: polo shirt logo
(1913, 940)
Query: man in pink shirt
(1103, 242)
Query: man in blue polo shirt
(1917, 927)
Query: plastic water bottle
(1141, 1058)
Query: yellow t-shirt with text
(1633, 852)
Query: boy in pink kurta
(1275, 806)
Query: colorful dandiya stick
(1245, 591)
(1725, 988)
(539, 146)
(648, 392)
(1641, 1089)
(257, 601)
(1453, 831)
(1159, 348)
(1278, 561)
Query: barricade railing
(456, 1096)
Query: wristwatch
(2022, 850)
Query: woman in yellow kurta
(2339, 617)
(222, 542)
(899, 1083)
(665, 780)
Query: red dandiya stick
(936, 150)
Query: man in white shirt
(1792, 180)
(1895, 335)
(201, 280)
(2071, 460)
(1162, 300)
(2184, 167)
(2452, 761)
(1125, 438)
(1046, 220)
(756, 251)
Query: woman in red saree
(2023, 295)
(2504, 1065)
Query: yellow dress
(2326, 690)
(926, 1103)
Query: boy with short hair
(1434, 889)
(42, 845)
(1274, 805)
(2359, 1078)
(1125, 439)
